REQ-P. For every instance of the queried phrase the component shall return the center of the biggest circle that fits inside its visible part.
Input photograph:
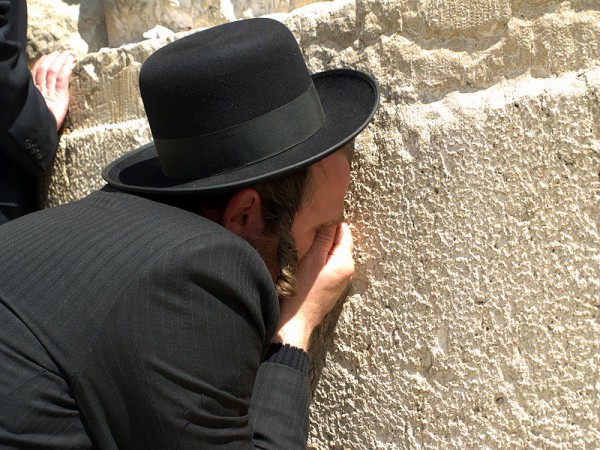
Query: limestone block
(61, 25)
(245, 9)
(481, 18)
(326, 32)
(427, 64)
(105, 88)
(473, 320)
(90, 25)
(127, 20)
(82, 155)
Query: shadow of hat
(234, 105)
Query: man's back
(106, 309)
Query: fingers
(324, 239)
(51, 75)
(40, 71)
(340, 256)
(324, 274)
(52, 72)
(331, 241)
(64, 67)
(343, 241)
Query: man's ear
(243, 213)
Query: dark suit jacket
(127, 323)
(28, 138)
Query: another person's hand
(323, 276)
(51, 75)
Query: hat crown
(235, 105)
(221, 77)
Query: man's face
(325, 206)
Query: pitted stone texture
(82, 155)
(326, 33)
(425, 64)
(474, 317)
(245, 9)
(127, 20)
(480, 18)
(54, 25)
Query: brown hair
(281, 200)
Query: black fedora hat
(234, 105)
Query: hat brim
(349, 99)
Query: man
(146, 315)
(33, 106)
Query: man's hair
(281, 199)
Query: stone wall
(473, 321)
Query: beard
(267, 247)
(280, 257)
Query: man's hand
(323, 276)
(51, 75)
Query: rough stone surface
(55, 25)
(127, 20)
(84, 153)
(474, 317)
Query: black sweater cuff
(287, 355)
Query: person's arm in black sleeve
(176, 364)
(280, 399)
(28, 117)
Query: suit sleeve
(280, 400)
(27, 128)
(181, 362)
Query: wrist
(293, 333)
(287, 355)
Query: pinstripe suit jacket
(127, 323)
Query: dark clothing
(127, 323)
(28, 138)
